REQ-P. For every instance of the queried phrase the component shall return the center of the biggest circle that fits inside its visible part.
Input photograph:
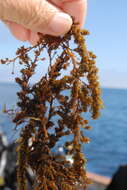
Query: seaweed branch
(52, 108)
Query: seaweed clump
(52, 108)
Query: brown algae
(47, 113)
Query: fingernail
(60, 23)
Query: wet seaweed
(72, 69)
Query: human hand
(25, 18)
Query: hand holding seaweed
(47, 113)
(29, 17)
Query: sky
(107, 23)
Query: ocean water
(108, 147)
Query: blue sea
(108, 147)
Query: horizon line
(109, 87)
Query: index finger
(76, 8)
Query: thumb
(36, 15)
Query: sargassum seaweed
(52, 108)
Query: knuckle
(40, 14)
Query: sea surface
(108, 147)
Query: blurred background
(106, 21)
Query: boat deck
(99, 182)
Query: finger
(76, 8)
(36, 15)
(33, 38)
(22, 33)
(18, 31)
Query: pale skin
(25, 18)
